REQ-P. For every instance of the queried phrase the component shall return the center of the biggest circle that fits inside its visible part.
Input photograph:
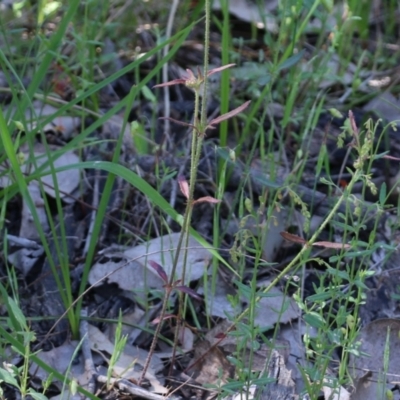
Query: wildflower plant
(199, 127)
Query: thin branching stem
(356, 177)
(198, 134)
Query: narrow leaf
(18, 314)
(315, 320)
(263, 80)
(189, 291)
(179, 122)
(332, 245)
(183, 185)
(159, 269)
(353, 123)
(147, 190)
(388, 157)
(170, 83)
(292, 238)
(266, 182)
(219, 69)
(382, 194)
(294, 59)
(166, 316)
(229, 114)
(207, 199)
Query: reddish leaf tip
(159, 269)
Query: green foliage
(285, 77)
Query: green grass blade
(154, 196)
(23, 189)
(10, 338)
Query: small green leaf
(319, 297)
(315, 320)
(382, 194)
(148, 94)
(266, 182)
(139, 137)
(232, 155)
(234, 361)
(19, 126)
(16, 311)
(248, 204)
(326, 182)
(7, 377)
(294, 59)
(264, 80)
(336, 113)
(37, 396)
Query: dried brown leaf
(183, 185)
(332, 245)
(219, 69)
(228, 115)
(207, 199)
(353, 123)
(292, 238)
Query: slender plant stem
(306, 247)
(203, 121)
(198, 135)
